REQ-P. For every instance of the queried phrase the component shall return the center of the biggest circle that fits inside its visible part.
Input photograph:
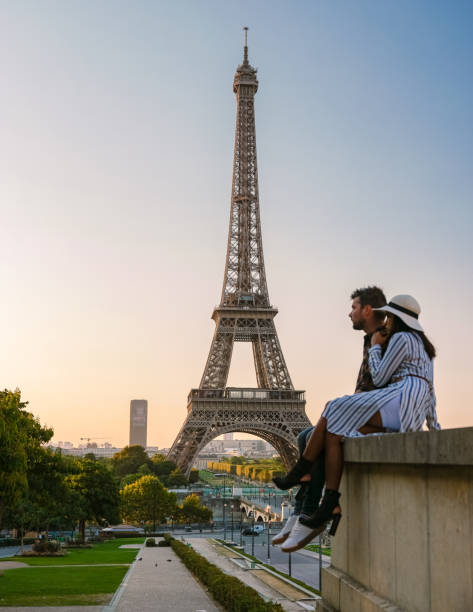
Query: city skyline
(115, 195)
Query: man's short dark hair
(370, 296)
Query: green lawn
(60, 586)
(316, 548)
(107, 552)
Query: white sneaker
(300, 536)
(285, 531)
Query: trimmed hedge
(227, 590)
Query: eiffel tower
(274, 411)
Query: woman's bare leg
(316, 442)
(333, 461)
(334, 451)
(374, 425)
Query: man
(363, 318)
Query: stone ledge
(351, 595)
(444, 447)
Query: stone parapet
(405, 541)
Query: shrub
(164, 543)
(227, 590)
(150, 542)
(46, 546)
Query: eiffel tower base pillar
(275, 416)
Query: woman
(403, 405)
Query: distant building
(138, 422)
(254, 448)
(103, 450)
(99, 452)
(228, 436)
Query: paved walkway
(267, 585)
(160, 582)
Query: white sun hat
(406, 308)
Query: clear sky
(117, 124)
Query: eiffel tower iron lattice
(274, 411)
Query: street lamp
(231, 510)
(269, 550)
(224, 506)
(224, 523)
(253, 535)
(320, 562)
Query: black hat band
(404, 310)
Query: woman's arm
(382, 368)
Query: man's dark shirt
(364, 382)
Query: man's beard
(357, 325)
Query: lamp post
(241, 528)
(320, 562)
(269, 550)
(224, 523)
(224, 506)
(253, 535)
(290, 565)
(231, 510)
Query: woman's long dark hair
(400, 326)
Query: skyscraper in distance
(138, 422)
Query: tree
(239, 460)
(161, 466)
(129, 459)
(129, 479)
(21, 437)
(47, 496)
(192, 511)
(147, 501)
(176, 479)
(97, 494)
(167, 472)
(193, 476)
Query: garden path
(158, 580)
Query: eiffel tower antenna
(274, 411)
(245, 48)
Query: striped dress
(404, 360)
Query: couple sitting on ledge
(394, 393)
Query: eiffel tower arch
(274, 411)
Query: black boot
(293, 477)
(325, 512)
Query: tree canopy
(21, 437)
(97, 493)
(129, 459)
(147, 501)
(192, 510)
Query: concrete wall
(405, 541)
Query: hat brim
(411, 322)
